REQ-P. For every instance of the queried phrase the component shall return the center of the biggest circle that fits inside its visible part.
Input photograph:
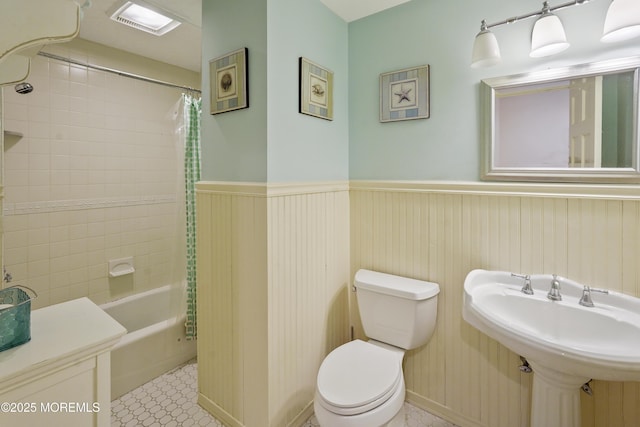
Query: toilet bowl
(361, 384)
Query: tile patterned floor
(170, 401)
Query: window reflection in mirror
(576, 124)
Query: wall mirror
(574, 124)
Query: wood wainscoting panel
(441, 231)
(232, 305)
(273, 280)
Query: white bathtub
(155, 342)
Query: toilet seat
(357, 377)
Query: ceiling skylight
(145, 17)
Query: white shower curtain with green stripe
(192, 110)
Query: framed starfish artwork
(404, 94)
(316, 90)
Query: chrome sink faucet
(586, 295)
(554, 292)
(526, 289)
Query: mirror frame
(488, 89)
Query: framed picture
(228, 75)
(404, 94)
(316, 90)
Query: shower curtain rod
(118, 72)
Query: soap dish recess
(121, 267)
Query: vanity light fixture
(143, 16)
(622, 21)
(486, 51)
(548, 37)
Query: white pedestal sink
(566, 344)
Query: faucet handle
(526, 288)
(554, 291)
(586, 300)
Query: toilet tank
(396, 310)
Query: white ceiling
(181, 46)
(350, 10)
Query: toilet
(361, 384)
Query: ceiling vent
(144, 17)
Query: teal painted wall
(441, 34)
(234, 144)
(270, 141)
(302, 147)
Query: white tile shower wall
(94, 177)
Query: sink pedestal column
(556, 398)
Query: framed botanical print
(228, 75)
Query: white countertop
(60, 334)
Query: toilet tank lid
(402, 287)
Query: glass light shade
(486, 51)
(622, 21)
(548, 37)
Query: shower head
(24, 87)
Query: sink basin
(565, 343)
